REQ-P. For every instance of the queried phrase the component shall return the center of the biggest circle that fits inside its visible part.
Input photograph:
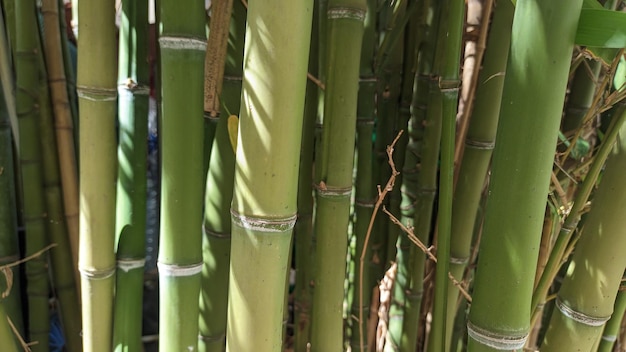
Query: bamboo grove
(331, 175)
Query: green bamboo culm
(449, 54)
(34, 208)
(9, 242)
(585, 300)
(365, 190)
(64, 126)
(612, 327)
(266, 172)
(182, 45)
(421, 167)
(98, 164)
(63, 271)
(392, 86)
(303, 229)
(216, 239)
(130, 220)
(7, 336)
(343, 50)
(479, 144)
(541, 47)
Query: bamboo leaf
(601, 28)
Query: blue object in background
(57, 341)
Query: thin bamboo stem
(130, 221)
(63, 124)
(63, 271)
(612, 327)
(9, 242)
(34, 208)
(451, 29)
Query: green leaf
(601, 28)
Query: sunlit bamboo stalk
(522, 163)
(130, 221)
(266, 171)
(97, 98)
(182, 44)
(585, 300)
(343, 49)
(478, 148)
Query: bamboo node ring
(182, 43)
(215, 338)
(274, 225)
(127, 265)
(458, 261)
(346, 13)
(481, 145)
(496, 340)
(175, 270)
(96, 93)
(215, 234)
(97, 274)
(580, 317)
(609, 338)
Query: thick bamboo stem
(97, 99)
(345, 34)
(479, 145)
(264, 205)
(585, 300)
(522, 165)
(182, 45)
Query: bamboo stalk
(586, 297)
(479, 145)
(449, 54)
(34, 208)
(97, 99)
(571, 221)
(522, 163)
(63, 270)
(345, 33)
(182, 48)
(63, 124)
(266, 172)
(6, 334)
(219, 194)
(398, 88)
(7, 80)
(9, 242)
(130, 226)
(365, 196)
(303, 230)
(612, 327)
(425, 132)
